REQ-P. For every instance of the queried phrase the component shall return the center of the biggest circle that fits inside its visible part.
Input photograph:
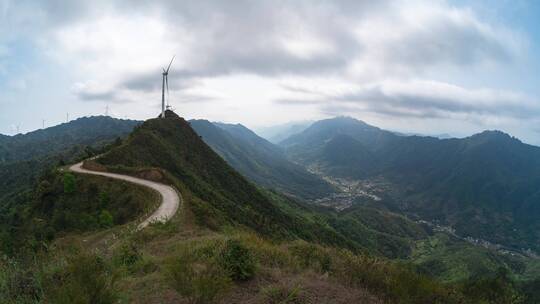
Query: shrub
(104, 199)
(85, 279)
(17, 285)
(396, 282)
(237, 260)
(126, 255)
(282, 294)
(200, 282)
(105, 219)
(69, 183)
(311, 255)
(496, 289)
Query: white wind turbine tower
(165, 83)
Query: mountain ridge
(482, 176)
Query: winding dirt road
(170, 199)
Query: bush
(69, 183)
(126, 255)
(237, 260)
(311, 255)
(532, 290)
(396, 282)
(200, 282)
(496, 289)
(281, 294)
(105, 219)
(17, 285)
(85, 279)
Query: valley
(350, 192)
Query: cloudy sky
(429, 67)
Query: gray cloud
(148, 82)
(96, 96)
(248, 36)
(459, 41)
(292, 101)
(419, 100)
(443, 103)
(364, 42)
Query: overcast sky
(429, 67)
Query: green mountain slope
(24, 157)
(484, 185)
(216, 193)
(85, 131)
(259, 160)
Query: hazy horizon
(427, 67)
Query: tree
(69, 183)
(105, 219)
(238, 261)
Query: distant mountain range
(82, 131)
(277, 133)
(485, 186)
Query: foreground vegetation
(176, 263)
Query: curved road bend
(170, 199)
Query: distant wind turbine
(165, 83)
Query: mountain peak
(494, 135)
(345, 119)
(171, 114)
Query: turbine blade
(167, 71)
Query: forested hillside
(485, 186)
(24, 157)
(259, 160)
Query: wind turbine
(165, 83)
